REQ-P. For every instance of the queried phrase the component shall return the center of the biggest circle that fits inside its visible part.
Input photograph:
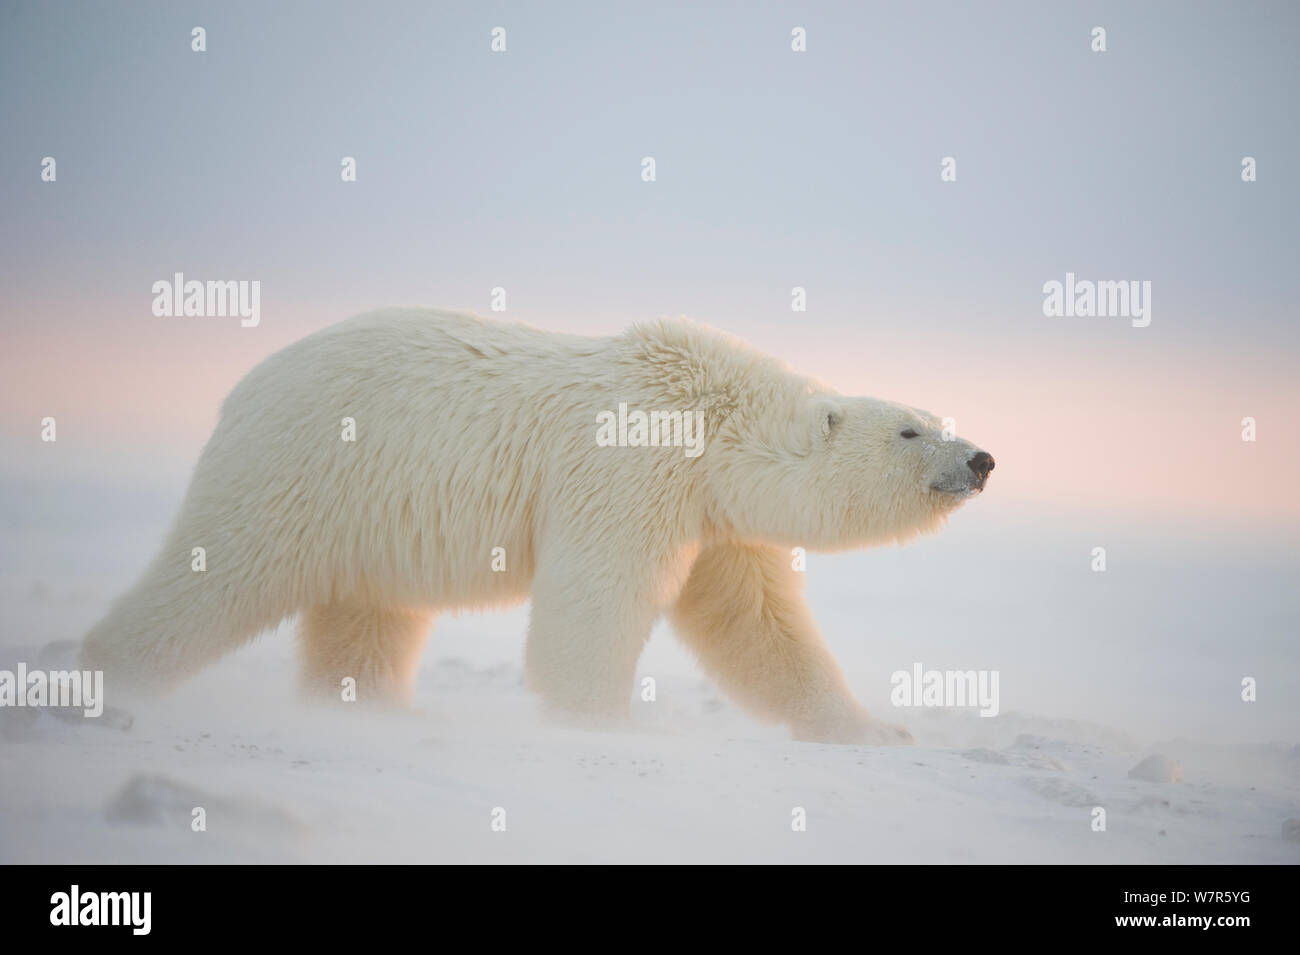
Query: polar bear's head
(830, 472)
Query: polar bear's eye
(907, 433)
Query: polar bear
(408, 462)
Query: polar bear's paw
(857, 727)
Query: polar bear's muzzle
(970, 480)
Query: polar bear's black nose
(981, 464)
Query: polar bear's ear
(826, 417)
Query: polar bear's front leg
(743, 614)
(585, 636)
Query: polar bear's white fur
(473, 435)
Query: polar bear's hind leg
(378, 648)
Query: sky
(774, 169)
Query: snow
(1099, 672)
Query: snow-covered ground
(1097, 672)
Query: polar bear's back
(351, 445)
(437, 354)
